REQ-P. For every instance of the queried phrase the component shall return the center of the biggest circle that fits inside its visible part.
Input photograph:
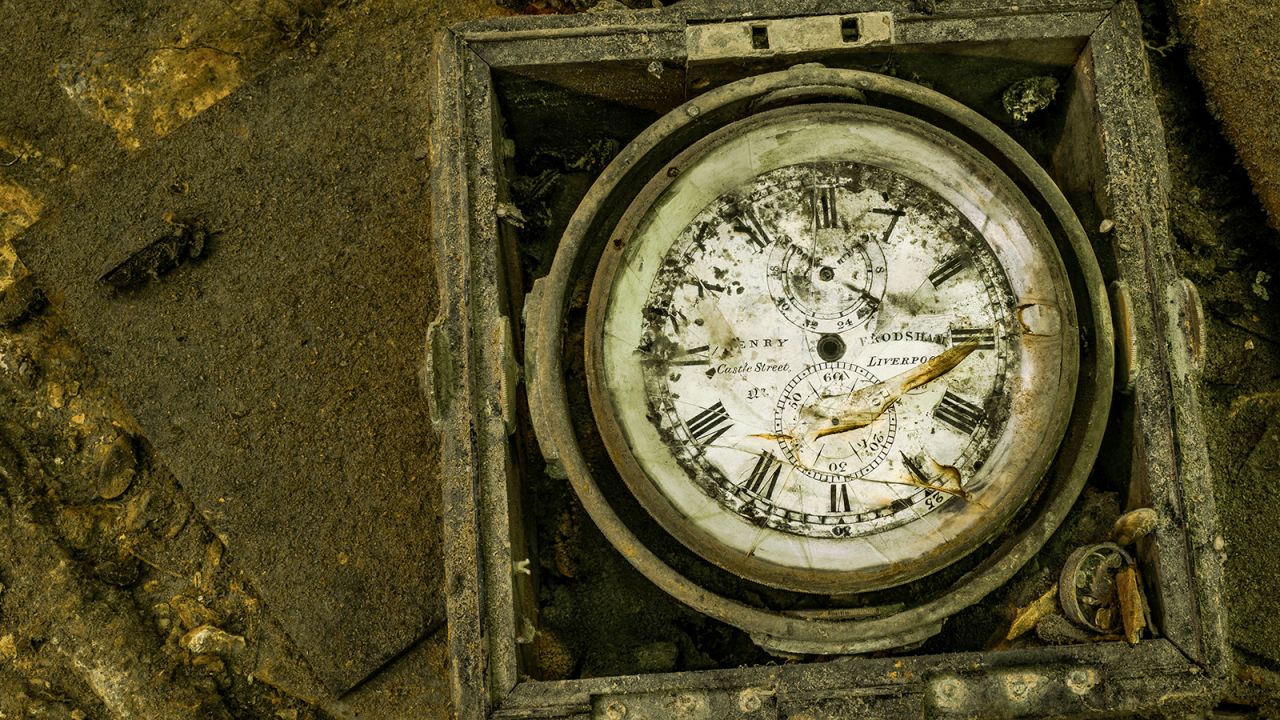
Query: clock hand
(914, 469)
(870, 402)
(917, 479)
(875, 399)
(948, 474)
(948, 481)
(944, 475)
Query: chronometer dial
(827, 347)
(815, 253)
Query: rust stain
(167, 88)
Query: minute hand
(870, 402)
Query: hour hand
(863, 406)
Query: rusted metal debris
(1133, 618)
(1099, 595)
(1029, 96)
(1087, 586)
(184, 242)
(1028, 618)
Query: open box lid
(262, 317)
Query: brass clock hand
(870, 402)
(947, 480)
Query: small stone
(8, 648)
(1260, 285)
(121, 571)
(28, 371)
(512, 214)
(1134, 525)
(117, 469)
(191, 613)
(1219, 543)
(1029, 96)
(210, 664)
(1106, 226)
(163, 617)
(208, 639)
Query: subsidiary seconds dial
(817, 349)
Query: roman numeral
(958, 413)
(764, 476)
(840, 498)
(984, 337)
(749, 222)
(894, 217)
(824, 207)
(948, 268)
(710, 424)
(700, 355)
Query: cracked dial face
(835, 349)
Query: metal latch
(437, 376)
(787, 36)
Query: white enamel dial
(830, 348)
